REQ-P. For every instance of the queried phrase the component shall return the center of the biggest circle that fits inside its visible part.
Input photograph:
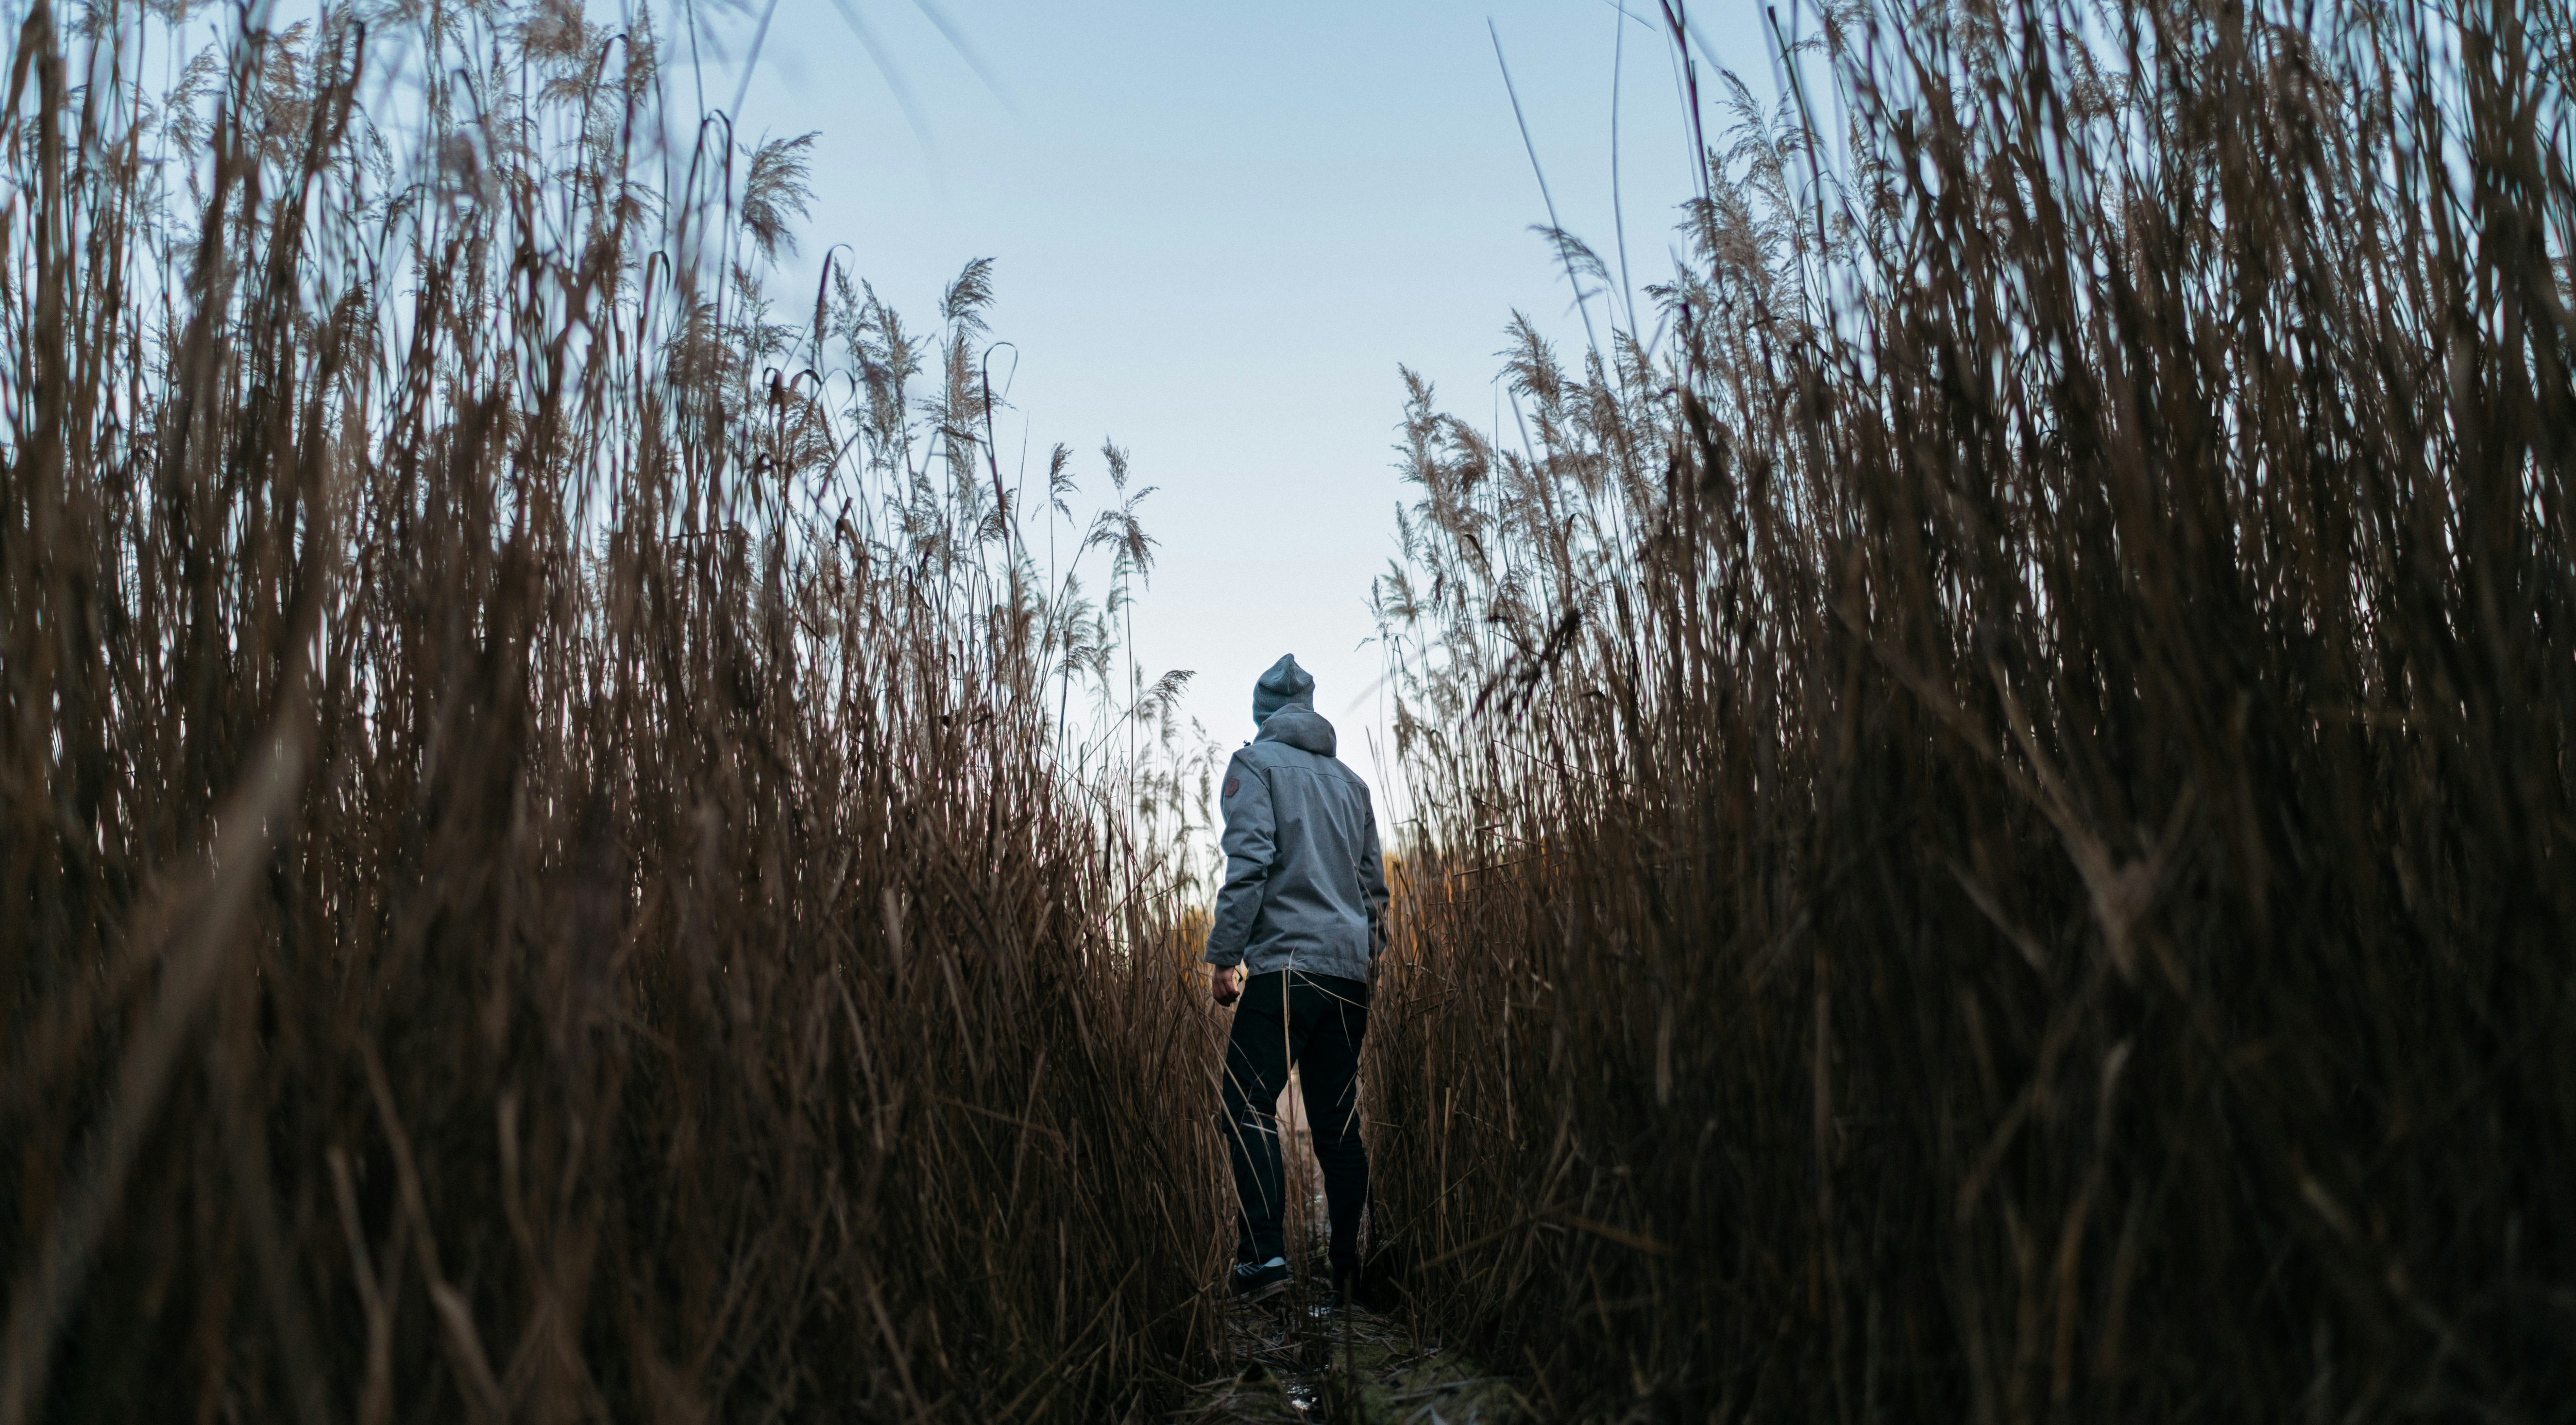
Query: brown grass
(1998, 839)
(553, 866)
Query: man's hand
(1227, 984)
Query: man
(1298, 927)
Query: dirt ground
(1290, 1361)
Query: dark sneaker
(1260, 1281)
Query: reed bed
(572, 848)
(1994, 774)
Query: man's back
(1305, 888)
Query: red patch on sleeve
(1231, 783)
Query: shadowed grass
(550, 862)
(1997, 815)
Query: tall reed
(1996, 807)
(559, 862)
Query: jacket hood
(1285, 685)
(1301, 728)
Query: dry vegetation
(1996, 807)
(569, 854)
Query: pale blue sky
(1219, 228)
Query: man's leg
(1334, 1012)
(1257, 1055)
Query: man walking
(1298, 926)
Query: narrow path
(1289, 1361)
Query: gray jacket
(1305, 888)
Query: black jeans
(1315, 1022)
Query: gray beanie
(1285, 686)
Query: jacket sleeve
(1372, 876)
(1249, 847)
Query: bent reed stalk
(551, 868)
(1996, 814)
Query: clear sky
(1220, 227)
